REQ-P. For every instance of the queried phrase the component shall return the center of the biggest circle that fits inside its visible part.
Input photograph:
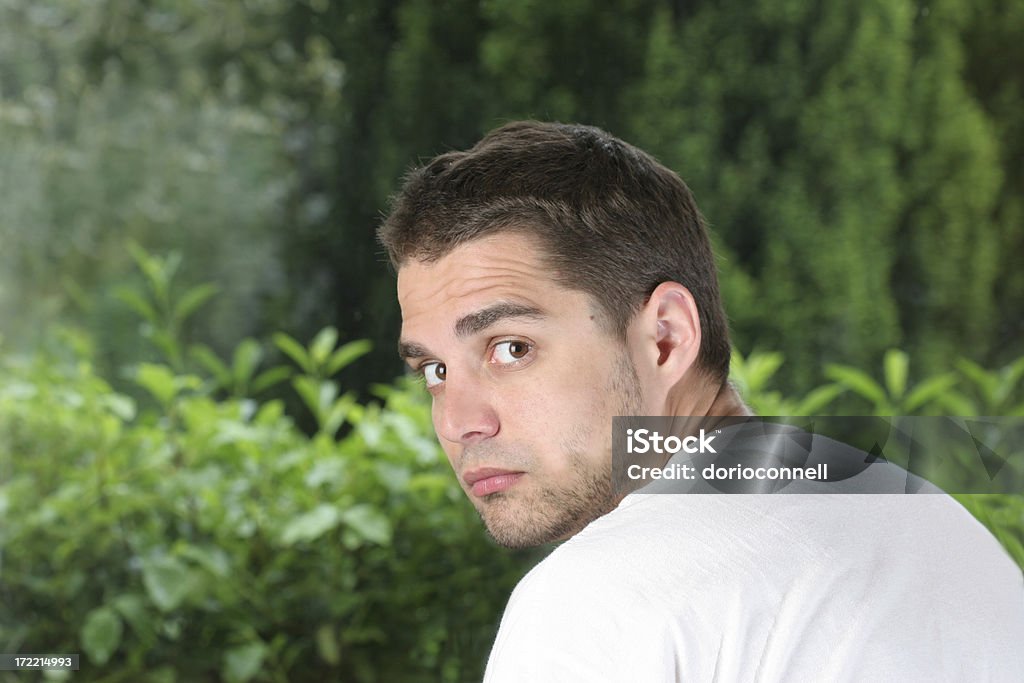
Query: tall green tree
(844, 167)
(860, 165)
(993, 70)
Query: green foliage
(895, 398)
(319, 362)
(854, 175)
(752, 376)
(991, 392)
(241, 378)
(974, 392)
(203, 538)
(162, 311)
(101, 634)
(98, 150)
(860, 165)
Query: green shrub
(210, 539)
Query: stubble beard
(557, 511)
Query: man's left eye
(509, 351)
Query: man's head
(611, 220)
(550, 278)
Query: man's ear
(666, 333)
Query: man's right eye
(433, 373)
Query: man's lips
(487, 480)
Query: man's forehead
(498, 266)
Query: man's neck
(706, 398)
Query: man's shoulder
(765, 544)
(664, 552)
(677, 577)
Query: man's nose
(464, 413)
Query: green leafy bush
(205, 539)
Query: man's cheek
(452, 453)
(435, 422)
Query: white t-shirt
(769, 588)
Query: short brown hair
(614, 222)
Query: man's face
(525, 381)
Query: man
(553, 277)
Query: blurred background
(210, 467)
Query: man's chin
(517, 539)
(517, 527)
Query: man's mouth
(487, 480)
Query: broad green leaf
(270, 412)
(158, 380)
(132, 607)
(1015, 370)
(170, 264)
(171, 628)
(101, 634)
(242, 663)
(294, 350)
(395, 477)
(928, 390)
(369, 522)
(356, 413)
(327, 644)
(384, 391)
(323, 344)
(148, 264)
(269, 378)
(311, 525)
(986, 382)
(309, 391)
(330, 470)
(137, 303)
(328, 391)
(209, 360)
(813, 402)
(858, 382)
(896, 363)
(168, 344)
(138, 253)
(955, 403)
(737, 373)
(167, 581)
(1009, 377)
(346, 354)
(247, 357)
(191, 300)
(760, 368)
(337, 413)
(121, 406)
(211, 558)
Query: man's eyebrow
(478, 321)
(412, 350)
(475, 322)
